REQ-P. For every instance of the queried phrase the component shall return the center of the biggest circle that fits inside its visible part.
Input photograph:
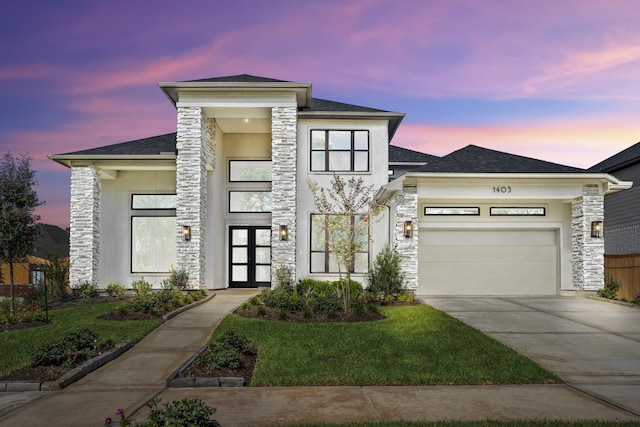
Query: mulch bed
(247, 364)
(299, 317)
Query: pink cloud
(579, 143)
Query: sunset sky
(557, 80)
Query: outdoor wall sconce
(596, 228)
(284, 232)
(186, 233)
(408, 229)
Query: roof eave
(68, 159)
(303, 90)
(393, 118)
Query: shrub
(284, 277)
(58, 352)
(610, 290)
(261, 310)
(355, 288)
(141, 286)
(386, 276)
(231, 339)
(178, 279)
(85, 290)
(182, 413)
(56, 273)
(325, 304)
(115, 290)
(312, 287)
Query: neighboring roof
(404, 155)
(154, 145)
(474, 159)
(52, 241)
(618, 161)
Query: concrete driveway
(591, 344)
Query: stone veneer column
(406, 209)
(283, 187)
(195, 144)
(84, 238)
(587, 252)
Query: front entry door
(249, 256)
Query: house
(622, 210)
(226, 198)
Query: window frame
(522, 210)
(455, 211)
(326, 251)
(133, 208)
(229, 192)
(327, 151)
(231, 161)
(131, 244)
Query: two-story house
(226, 198)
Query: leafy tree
(18, 200)
(348, 210)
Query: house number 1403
(503, 189)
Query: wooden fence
(626, 270)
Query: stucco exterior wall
(377, 176)
(115, 222)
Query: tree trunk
(11, 286)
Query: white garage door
(488, 262)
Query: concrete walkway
(140, 375)
(591, 344)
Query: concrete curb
(175, 382)
(614, 301)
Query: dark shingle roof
(474, 159)
(404, 155)
(618, 161)
(239, 78)
(146, 146)
(334, 106)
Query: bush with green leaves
(233, 340)
(385, 276)
(115, 290)
(85, 290)
(224, 352)
(326, 304)
(141, 287)
(187, 412)
(610, 290)
(284, 276)
(283, 299)
(56, 273)
(178, 279)
(58, 352)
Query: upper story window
(339, 150)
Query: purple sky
(552, 79)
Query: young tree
(347, 209)
(18, 200)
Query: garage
(488, 262)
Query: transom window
(322, 260)
(340, 150)
(249, 201)
(249, 170)
(518, 211)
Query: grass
(486, 423)
(414, 345)
(17, 344)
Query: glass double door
(249, 256)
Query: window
(517, 211)
(249, 170)
(153, 243)
(451, 211)
(153, 235)
(322, 260)
(249, 201)
(340, 150)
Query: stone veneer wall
(587, 252)
(406, 209)
(84, 239)
(283, 187)
(196, 150)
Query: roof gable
(627, 157)
(154, 145)
(238, 78)
(474, 159)
(404, 155)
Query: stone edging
(614, 301)
(175, 381)
(71, 376)
(90, 365)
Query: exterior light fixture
(596, 228)
(408, 229)
(186, 233)
(284, 232)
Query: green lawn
(488, 423)
(414, 345)
(15, 345)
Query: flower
(119, 412)
(107, 421)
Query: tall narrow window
(340, 150)
(153, 233)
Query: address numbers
(502, 189)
